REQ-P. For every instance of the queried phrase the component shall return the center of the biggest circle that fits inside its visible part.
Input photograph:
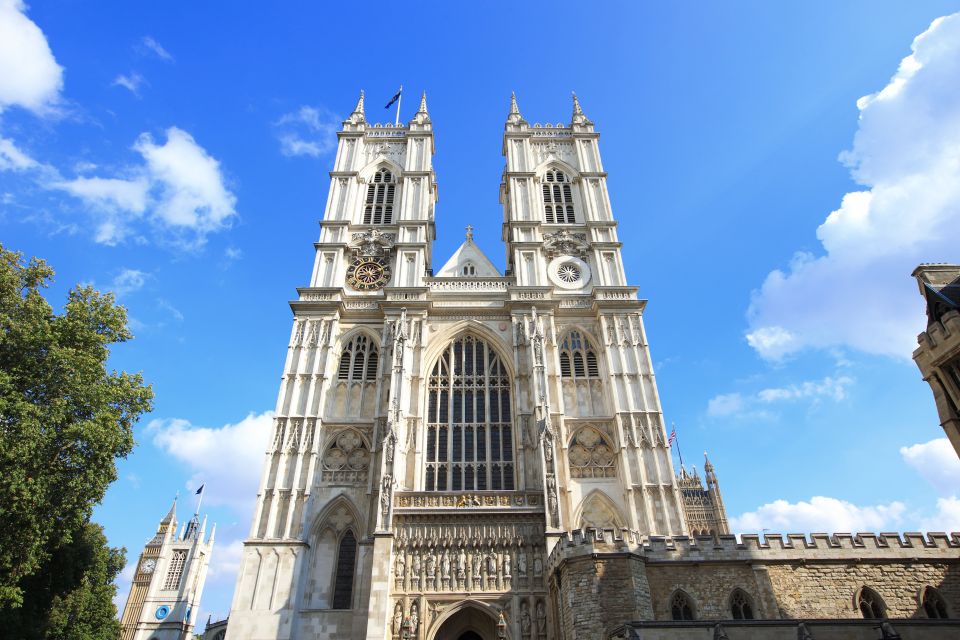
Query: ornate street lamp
(501, 627)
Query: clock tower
(168, 581)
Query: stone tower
(938, 351)
(436, 434)
(168, 581)
(703, 507)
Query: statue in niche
(461, 564)
(414, 619)
(431, 565)
(537, 566)
(397, 619)
(506, 564)
(524, 618)
(385, 489)
(492, 565)
(400, 566)
(522, 564)
(552, 498)
(415, 565)
(541, 618)
(477, 564)
(445, 565)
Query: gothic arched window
(933, 604)
(681, 606)
(378, 208)
(346, 565)
(175, 572)
(354, 389)
(469, 435)
(580, 377)
(871, 604)
(591, 455)
(358, 360)
(557, 198)
(740, 606)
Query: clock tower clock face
(148, 565)
(368, 273)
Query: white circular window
(568, 272)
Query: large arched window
(378, 208)
(346, 565)
(469, 435)
(933, 604)
(578, 360)
(871, 604)
(358, 360)
(557, 198)
(740, 607)
(681, 606)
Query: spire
(514, 116)
(172, 514)
(358, 116)
(421, 116)
(578, 115)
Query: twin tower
(437, 430)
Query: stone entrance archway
(467, 621)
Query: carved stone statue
(541, 618)
(445, 565)
(397, 619)
(524, 619)
(461, 564)
(477, 564)
(414, 619)
(400, 565)
(537, 566)
(506, 564)
(522, 563)
(492, 565)
(431, 565)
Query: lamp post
(501, 627)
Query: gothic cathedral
(460, 454)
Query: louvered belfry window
(378, 208)
(175, 572)
(557, 198)
(359, 360)
(578, 360)
(469, 435)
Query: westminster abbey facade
(464, 454)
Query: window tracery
(354, 389)
(580, 376)
(347, 459)
(346, 567)
(681, 606)
(591, 455)
(175, 572)
(871, 604)
(469, 437)
(933, 604)
(740, 606)
(378, 207)
(557, 198)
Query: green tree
(71, 596)
(64, 418)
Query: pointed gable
(468, 262)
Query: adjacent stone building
(938, 353)
(463, 454)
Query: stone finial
(578, 115)
(469, 233)
(358, 116)
(421, 116)
(514, 116)
(423, 103)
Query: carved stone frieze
(564, 242)
(372, 243)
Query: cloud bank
(906, 153)
(309, 131)
(29, 74)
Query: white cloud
(309, 131)
(149, 46)
(29, 74)
(169, 308)
(813, 391)
(128, 281)
(725, 404)
(225, 562)
(820, 514)
(906, 153)
(179, 188)
(947, 517)
(226, 459)
(131, 82)
(937, 462)
(13, 159)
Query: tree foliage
(64, 420)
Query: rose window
(591, 456)
(347, 459)
(568, 273)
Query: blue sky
(177, 154)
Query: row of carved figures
(533, 620)
(463, 568)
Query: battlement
(774, 547)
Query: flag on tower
(200, 490)
(394, 98)
(673, 436)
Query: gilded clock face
(368, 273)
(148, 565)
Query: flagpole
(677, 438)
(396, 122)
(197, 512)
